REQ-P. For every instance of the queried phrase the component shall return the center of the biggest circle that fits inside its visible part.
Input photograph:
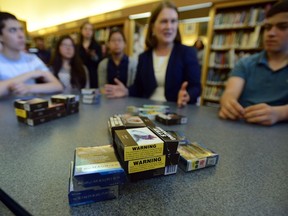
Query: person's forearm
(4, 88)
(24, 77)
(227, 95)
(46, 88)
(282, 112)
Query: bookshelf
(233, 33)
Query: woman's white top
(160, 66)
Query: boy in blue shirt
(257, 90)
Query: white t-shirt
(160, 66)
(10, 68)
(65, 77)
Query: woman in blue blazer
(168, 70)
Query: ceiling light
(140, 15)
(194, 7)
(196, 20)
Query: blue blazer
(182, 66)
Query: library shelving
(234, 32)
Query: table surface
(250, 178)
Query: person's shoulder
(145, 54)
(252, 59)
(28, 56)
(183, 48)
(104, 61)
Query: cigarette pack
(31, 114)
(58, 114)
(138, 143)
(145, 142)
(170, 142)
(149, 167)
(97, 166)
(89, 100)
(149, 163)
(89, 91)
(90, 96)
(171, 119)
(64, 98)
(60, 107)
(179, 135)
(127, 121)
(32, 104)
(37, 121)
(194, 156)
(149, 111)
(81, 195)
(72, 107)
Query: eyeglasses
(282, 26)
(116, 40)
(67, 45)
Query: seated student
(43, 53)
(257, 90)
(18, 70)
(168, 70)
(117, 65)
(68, 67)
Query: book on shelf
(249, 17)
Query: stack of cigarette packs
(90, 96)
(95, 175)
(146, 152)
(37, 110)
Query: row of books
(213, 92)
(103, 34)
(238, 39)
(226, 60)
(251, 17)
(222, 59)
(216, 77)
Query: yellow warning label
(143, 151)
(21, 113)
(146, 164)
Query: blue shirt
(262, 84)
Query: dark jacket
(182, 66)
(90, 62)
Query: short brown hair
(3, 17)
(116, 30)
(280, 7)
(151, 41)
